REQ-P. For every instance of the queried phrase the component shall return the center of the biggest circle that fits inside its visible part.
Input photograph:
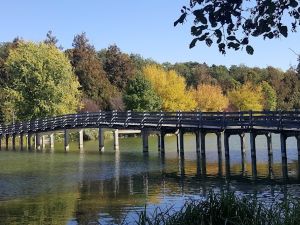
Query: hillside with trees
(42, 79)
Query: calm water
(92, 188)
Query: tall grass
(226, 209)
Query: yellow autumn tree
(247, 97)
(171, 87)
(210, 98)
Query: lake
(107, 188)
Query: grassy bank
(226, 209)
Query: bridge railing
(157, 120)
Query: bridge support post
(253, 154)
(116, 139)
(145, 137)
(181, 141)
(227, 156)
(13, 141)
(298, 148)
(203, 154)
(101, 139)
(198, 142)
(43, 141)
(243, 151)
(162, 141)
(29, 146)
(38, 141)
(51, 136)
(270, 153)
(80, 137)
(66, 140)
(219, 146)
(6, 141)
(283, 138)
(21, 142)
(158, 142)
(0, 142)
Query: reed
(226, 209)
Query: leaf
(231, 38)
(208, 42)
(218, 33)
(180, 20)
(222, 48)
(249, 49)
(293, 3)
(193, 42)
(245, 41)
(283, 30)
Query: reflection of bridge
(161, 123)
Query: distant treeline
(42, 79)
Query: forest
(44, 79)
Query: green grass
(226, 209)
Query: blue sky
(143, 27)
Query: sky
(142, 27)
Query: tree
(42, 82)
(247, 97)
(140, 95)
(88, 68)
(171, 88)
(118, 67)
(230, 23)
(289, 97)
(210, 98)
(50, 39)
(269, 95)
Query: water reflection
(88, 188)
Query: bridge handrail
(157, 120)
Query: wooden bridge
(223, 124)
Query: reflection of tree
(49, 209)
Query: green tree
(246, 97)
(269, 95)
(42, 82)
(289, 97)
(140, 95)
(230, 23)
(118, 67)
(89, 70)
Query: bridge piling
(80, 141)
(158, 142)
(298, 149)
(38, 141)
(219, 147)
(253, 154)
(100, 139)
(116, 140)
(22, 142)
(145, 137)
(66, 140)
(283, 138)
(6, 142)
(198, 142)
(43, 142)
(51, 137)
(29, 147)
(181, 141)
(270, 154)
(243, 151)
(162, 141)
(227, 156)
(203, 153)
(0, 142)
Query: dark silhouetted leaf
(208, 42)
(293, 3)
(231, 38)
(181, 19)
(283, 30)
(193, 42)
(245, 41)
(249, 50)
